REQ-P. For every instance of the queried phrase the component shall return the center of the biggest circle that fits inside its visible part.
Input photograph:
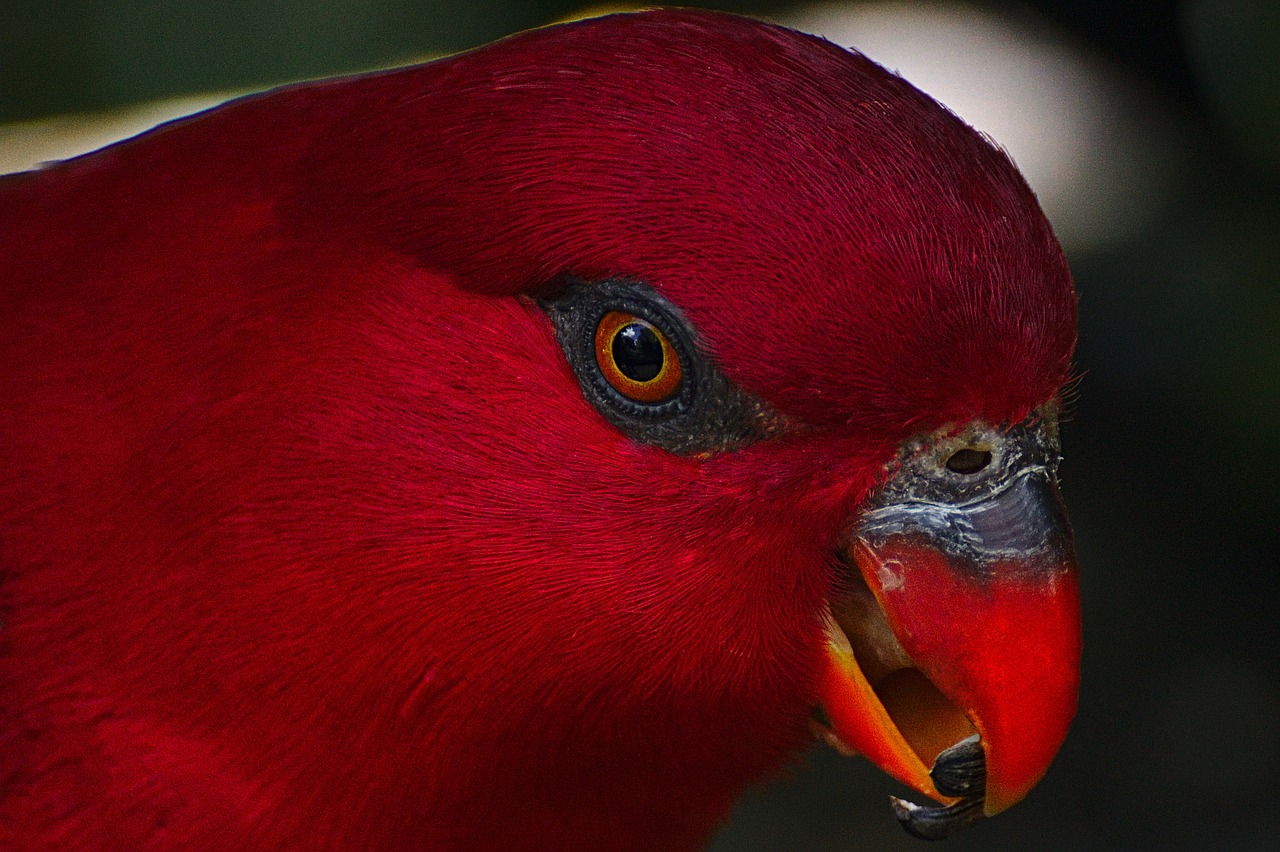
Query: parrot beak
(953, 659)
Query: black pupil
(638, 352)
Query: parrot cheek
(953, 656)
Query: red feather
(308, 536)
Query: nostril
(968, 460)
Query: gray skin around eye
(708, 414)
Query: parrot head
(546, 442)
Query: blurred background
(1151, 132)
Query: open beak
(953, 657)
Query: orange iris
(637, 359)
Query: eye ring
(698, 411)
(637, 358)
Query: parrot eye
(636, 358)
(641, 364)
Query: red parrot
(529, 450)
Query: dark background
(1172, 452)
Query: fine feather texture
(308, 538)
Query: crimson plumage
(309, 535)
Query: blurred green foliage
(60, 56)
(72, 55)
(1234, 46)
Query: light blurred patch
(26, 145)
(1100, 155)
